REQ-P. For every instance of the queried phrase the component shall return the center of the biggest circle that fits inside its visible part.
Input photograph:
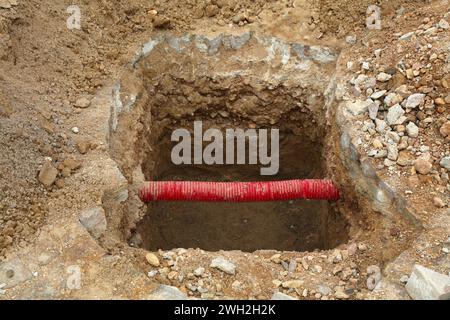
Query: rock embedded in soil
(445, 129)
(445, 163)
(414, 100)
(152, 259)
(94, 220)
(224, 265)
(427, 284)
(423, 164)
(82, 103)
(438, 202)
(47, 174)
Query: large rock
(94, 220)
(426, 284)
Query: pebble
(412, 130)
(438, 202)
(445, 129)
(392, 152)
(75, 130)
(378, 94)
(395, 115)
(423, 164)
(383, 77)
(292, 284)
(224, 265)
(47, 174)
(152, 259)
(199, 271)
(414, 100)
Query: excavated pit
(299, 225)
(258, 82)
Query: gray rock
(445, 163)
(426, 284)
(282, 296)
(392, 152)
(324, 290)
(414, 100)
(383, 77)
(412, 130)
(373, 110)
(94, 220)
(378, 94)
(224, 265)
(395, 115)
(167, 293)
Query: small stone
(71, 164)
(392, 99)
(412, 130)
(392, 152)
(152, 259)
(340, 294)
(383, 77)
(83, 103)
(423, 164)
(47, 174)
(224, 265)
(351, 39)
(404, 159)
(83, 146)
(167, 293)
(211, 10)
(282, 296)
(426, 284)
(324, 290)
(438, 202)
(94, 220)
(377, 144)
(395, 115)
(373, 110)
(199, 272)
(276, 258)
(75, 130)
(445, 129)
(294, 284)
(378, 94)
(161, 22)
(358, 107)
(414, 100)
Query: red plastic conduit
(238, 191)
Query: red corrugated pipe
(238, 191)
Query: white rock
(426, 284)
(224, 265)
(282, 296)
(414, 100)
(395, 115)
(75, 130)
(378, 94)
(392, 99)
(412, 130)
(358, 107)
(383, 77)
